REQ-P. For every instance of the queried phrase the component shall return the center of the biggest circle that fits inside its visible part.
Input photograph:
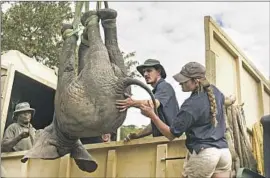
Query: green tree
(130, 63)
(33, 28)
(126, 129)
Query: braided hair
(205, 85)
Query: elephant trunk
(127, 81)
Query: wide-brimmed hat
(191, 70)
(24, 106)
(152, 63)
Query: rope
(70, 32)
(77, 15)
(98, 5)
(77, 27)
(238, 140)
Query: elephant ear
(44, 148)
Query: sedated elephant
(85, 103)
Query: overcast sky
(173, 32)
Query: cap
(189, 71)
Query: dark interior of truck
(39, 96)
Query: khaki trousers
(207, 162)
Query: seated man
(19, 136)
(167, 104)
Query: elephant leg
(108, 20)
(97, 54)
(83, 48)
(97, 66)
(66, 70)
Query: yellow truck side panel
(231, 71)
(226, 68)
(139, 158)
(250, 98)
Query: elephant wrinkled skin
(85, 103)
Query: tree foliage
(33, 28)
(130, 64)
(126, 129)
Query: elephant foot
(67, 30)
(107, 13)
(89, 18)
(109, 23)
(108, 18)
(65, 27)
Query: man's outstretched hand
(123, 105)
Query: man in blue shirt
(166, 101)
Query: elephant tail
(127, 81)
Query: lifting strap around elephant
(77, 27)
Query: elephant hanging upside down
(85, 103)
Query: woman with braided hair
(201, 118)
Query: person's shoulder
(165, 84)
(12, 126)
(215, 88)
(193, 100)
